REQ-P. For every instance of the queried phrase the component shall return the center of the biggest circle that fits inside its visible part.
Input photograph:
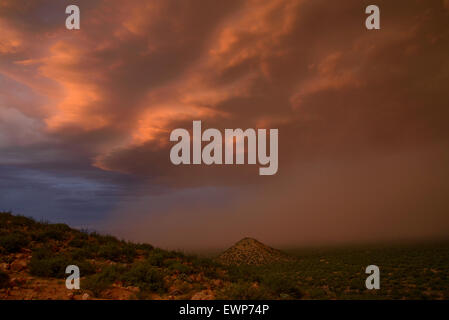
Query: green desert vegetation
(107, 263)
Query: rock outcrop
(252, 252)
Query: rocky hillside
(34, 256)
(249, 251)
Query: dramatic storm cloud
(86, 115)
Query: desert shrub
(174, 254)
(212, 273)
(110, 251)
(91, 249)
(79, 240)
(45, 235)
(128, 252)
(146, 277)
(81, 234)
(80, 253)
(86, 268)
(243, 272)
(144, 247)
(104, 279)
(96, 284)
(13, 242)
(203, 263)
(45, 263)
(21, 221)
(4, 218)
(49, 266)
(58, 232)
(4, 280)
(179, 267)
(105, 247)
(60, 227)
(104, 239)
(243, 291)
(87, 251)
(76, 243)
(156, 258)
(207, 266)
(282, 286)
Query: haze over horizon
(85, 119)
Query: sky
(86, 115)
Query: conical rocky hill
(252, 252)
